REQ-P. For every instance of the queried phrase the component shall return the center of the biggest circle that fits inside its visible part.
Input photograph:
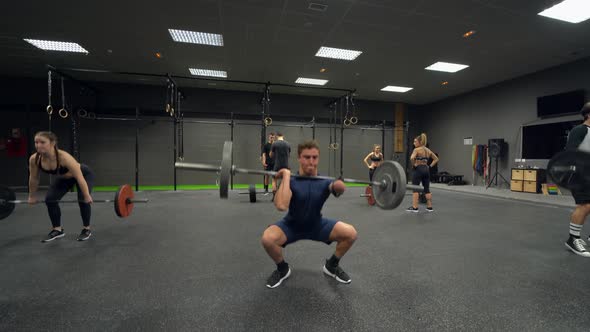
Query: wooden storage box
(531, 186)
(516, 185)
(517, 174)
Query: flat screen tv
(560, 104)
(545, 140)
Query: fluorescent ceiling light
(312, 81)
(337, 53)
(49, 45)
(208, 72)
(573, 11)
(193, 37)
(446, 67)
(393, 88)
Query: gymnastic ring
(49, 109)
(167, 109)
(171, 111)
(267, 121)
(91, 115)
(63, 113)
(336, 146)
(82, 113)
(354, 120)
(346, 122)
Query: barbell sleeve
(200, 167)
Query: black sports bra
(60, 170)
(375, 158)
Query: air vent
(318, 7)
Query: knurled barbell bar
(389, 180)
(123, 201)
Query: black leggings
(59, 187)
(371, 172)
(422, 174)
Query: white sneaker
(577, 246)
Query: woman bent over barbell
(68, 172)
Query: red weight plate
(369, 193)
(123, 204)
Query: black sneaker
(429, 209)
(412, 209)
(337, 273)
(54, 234)
(577, 246)
(277, 277)
(84, 235)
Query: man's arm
(283, 195)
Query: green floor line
(191, 187)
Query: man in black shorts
(267, 161)
(279, 152)
(304, 199)
(579, 138)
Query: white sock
(575, 230)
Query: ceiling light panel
(337, 53)
(393, 88)
(193, 37)
(208, 72)
(49, 45)
(310, 81)
(446, 67)
(573, 11)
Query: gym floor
(189, 261)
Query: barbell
(123, 201)
(388, 185)
(570, 169)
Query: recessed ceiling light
(337, 53)
(208, 72)
(49, 45)
(311, 81)
(158, 55)
(393, 88)
(446, 67)
(323, 70)
(573, 11)
(193, 37)
(468, 33)
(444, 83)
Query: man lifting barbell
(304, 194)
(51, 160)
(304, 199)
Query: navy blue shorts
(321, 231)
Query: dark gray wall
(108, 146)
(497, 111)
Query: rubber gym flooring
(188, 261)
